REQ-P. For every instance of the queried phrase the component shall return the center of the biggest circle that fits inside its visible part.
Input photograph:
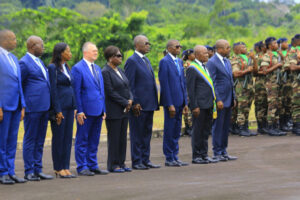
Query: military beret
(269, 40)
(187, 52)
(209, 48)
(297, 36)
(238, 43)
(281, 40)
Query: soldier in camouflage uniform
(292, 65)
(242, 68)
(271, 67)
(260, 92)
(234, 110)
(188, 56)
(286, 90)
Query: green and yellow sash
(209, 81)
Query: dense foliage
(116, 22)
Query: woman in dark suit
(118, 101)
(63, 104)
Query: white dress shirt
(37, 61)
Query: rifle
(285, 76)
(278, 75)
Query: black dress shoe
(220, 158)
(44, 176)
(182, 163)
(98, 171)
(140, 167)
(17, 179)
(5, 179)
(228, 157)
(172, 164)
(151, 165)
(32, 177)
(199, 161)
(210, 160)
(86, 172)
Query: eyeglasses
(147, 43)
(178, 46)
(118, 55)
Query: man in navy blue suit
(143, 87)
(90, 100)
(12, 107)
(173, 97)
(220, 71)
(36, 87)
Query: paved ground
(267, 168)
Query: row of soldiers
(270, 77)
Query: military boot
(283, 123)
(271, 130)
(279, 132)
(296, 128)
(235, 129)
(252, 133)
(242, 131)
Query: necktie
(95, 74)
(148, 66)
(177, 65)
(226, 65)
(13, 64)
(42, 68)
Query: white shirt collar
(2, 50)
(199, 62)
(32, 56)
(221, 58)
(172, 56)
(88, 62)
(139, 54)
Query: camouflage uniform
(292, 59)
(187, 118)
(244, 92)
(260, 95)
(268, 60)
(234, 110)
(286, 91)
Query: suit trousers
(172, 130)
(9, 128)
(117, 142)
(62, 141)
(140, 136)
(86, 143)
(201, 129)
(35, 124)
(220, 131)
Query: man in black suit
(202, 97)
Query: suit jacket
(172, 85)
(117, 93)
(35, 86)
(142, 83)
(62, 93)
(200, 93)
(89, 95)
(11, 92)
(223, 81)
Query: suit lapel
(88, 71)
(5, 62)
(221, 66)
(36, 66)
(143, 64)
(174, 67)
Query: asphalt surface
(267, 168)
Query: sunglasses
(118, 55)
(147, 43)
(178, 46)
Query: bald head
(174, 47)
(141, 44)
(201, 53)
(35, 45)
(8, 40)
(223, 47)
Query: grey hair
(86, 45)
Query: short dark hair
(110, 51)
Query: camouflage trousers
(286, 92)
(245, 97)
(296, 101)
(260, 100)
(274, 104)
(188, 119)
